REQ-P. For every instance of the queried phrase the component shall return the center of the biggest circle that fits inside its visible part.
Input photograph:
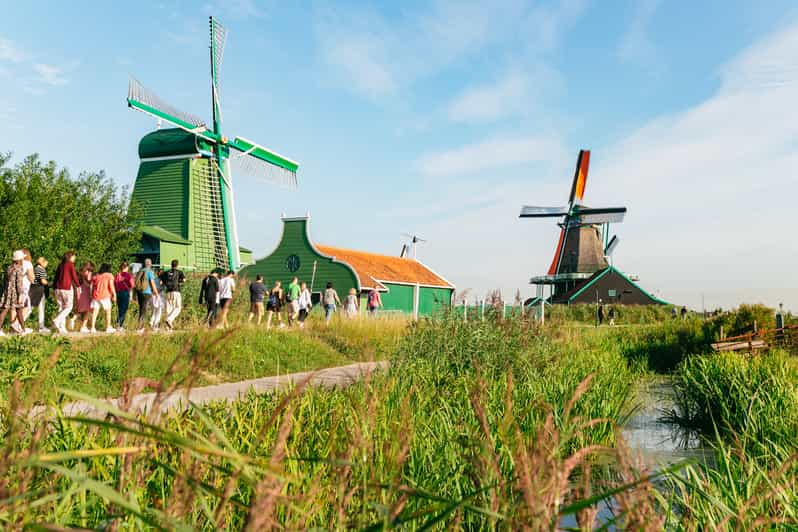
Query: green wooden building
(177, 189)
(406, 285)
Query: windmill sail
(580, 177)
(143, 99)
(219, 37)
(529, 211)
(262, 163)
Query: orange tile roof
(372, 268)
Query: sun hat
(18, 255)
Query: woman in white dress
(351, 305)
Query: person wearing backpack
(209, 296)
(172, 280)
(274, 305)
(374, 302)
(145, 290)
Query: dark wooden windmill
(583, 249)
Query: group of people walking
(82, 293)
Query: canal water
(658, 442)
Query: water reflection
(660, 443)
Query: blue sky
(443, 117)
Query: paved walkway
(231, 391)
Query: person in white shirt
(27, 279)
(227, 286)
(305, 304)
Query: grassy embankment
(475, 425)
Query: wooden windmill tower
(184, 182)
(584, 242)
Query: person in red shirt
(66, 283)
(123, 284)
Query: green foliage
(741, 321)
(45, 210)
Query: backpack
(273, 299)
(172, 280)
(141, 281)
(373, 298)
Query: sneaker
(2, 333)
(16, 327)
(63, 331)
(282, 325)
(93, 330)
(84, 330)
(44, 330)
(110, 330)
(140, 330)
(26, 332)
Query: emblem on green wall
(292, 263)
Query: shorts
(273, 307)
(256, 307)
(224, 302)
(104, 303)
(294, 306)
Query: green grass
(99, 365)
(485, 424)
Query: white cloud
(517, 92)
(711, 189)
(489, 154)
(490, 102)
(50, 74)
(10, 52)
(359, 57)
(374, 55)
(636, 44)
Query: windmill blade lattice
(260, 169)
(137, 93)
(219, 36)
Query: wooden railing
(754, 341)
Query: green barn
(405, 285)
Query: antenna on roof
(414, 239)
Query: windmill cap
(18, 255)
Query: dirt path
(230, 391)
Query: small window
(611, 293)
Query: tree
(45, 210)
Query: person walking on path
(103, 295)
(145, 290)
(684, 313)
(257, 291)
(66, 284)
(227, 286)
(292, 297)
(352, 305)
(84, 296)
(13, 297)
(330, 300)
(611, 316)
(28, 277)
(39, 289)
(209, 296)
(305, 304)
(157, 303)
(172, 280)
(274, 305)
(600, 313)
(123, 284)
(374, 301)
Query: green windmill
(184, 181)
